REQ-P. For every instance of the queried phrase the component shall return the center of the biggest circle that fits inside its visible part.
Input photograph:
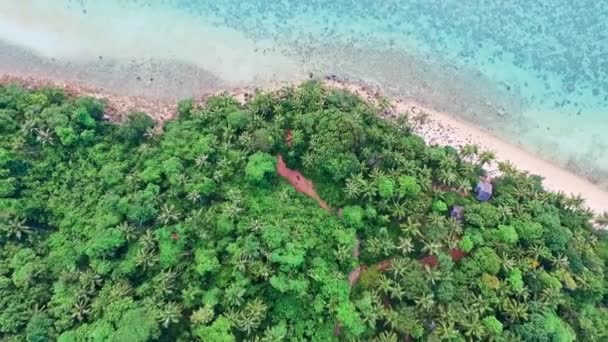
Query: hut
(457, 213)
(483, 191)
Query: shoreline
(440, 129)
(447, 130)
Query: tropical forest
(301, 214)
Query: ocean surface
(533, 72)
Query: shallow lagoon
(535, 73)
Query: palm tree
(386, 336)
(445, 331)
(44, 136)
(486, 157)
(252, 316)
(384, 284)
(424, 173)
(436, 220)
(370, 316)
(399, 267)
(28, 127)
(16, 228)
(383, 219)
(121, 290)
(376, 174)
(256, 226)
(473, 327)
(476, 304)
(272, 334)
(558, 198)
(127, 230)
(469, 151)
(373, 246)
(463, 185)
(352, 189)
(202, 315)
(308, 160)
(256, 308)
(588, 213)
(398, 209)
(448, 162)
(431, 274)
(559, 261)
(193, 196)
(150, 133)
(582, 281)
(90, 282)
(425, 302)
(218, 175)
(343, 253)
(514, 310)
(168, 214)
(466, 169)
(507, 168)
(81, 309)
(402, 122)
(165, 282)
(392, 319)
(447, 177)
(146, 258)
(551, 297)
(406, 166)
(405, 245)
(454, 226)
(148, 240)
(537, 251)
(390, 139)
(202, 160)
(505, 213)
(170, 313)
(575, 202)
(257, 120)
(431, 247)
(246, 323)
(602, 220)
(233, 209)
(420, 118)
(411, 228)
(508, 262)
(369, 190)
(396, 292)
(446, 312)
(233, 295)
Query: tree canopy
(116, 232)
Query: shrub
(260, 168)
(238, 119)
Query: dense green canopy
(120, 233)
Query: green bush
(238, 119)
(261, 168)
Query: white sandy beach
(444, 129)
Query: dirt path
(300, 183)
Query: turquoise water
(533, 72)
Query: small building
(483, 191)
(457, 213)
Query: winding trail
(300, 183)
